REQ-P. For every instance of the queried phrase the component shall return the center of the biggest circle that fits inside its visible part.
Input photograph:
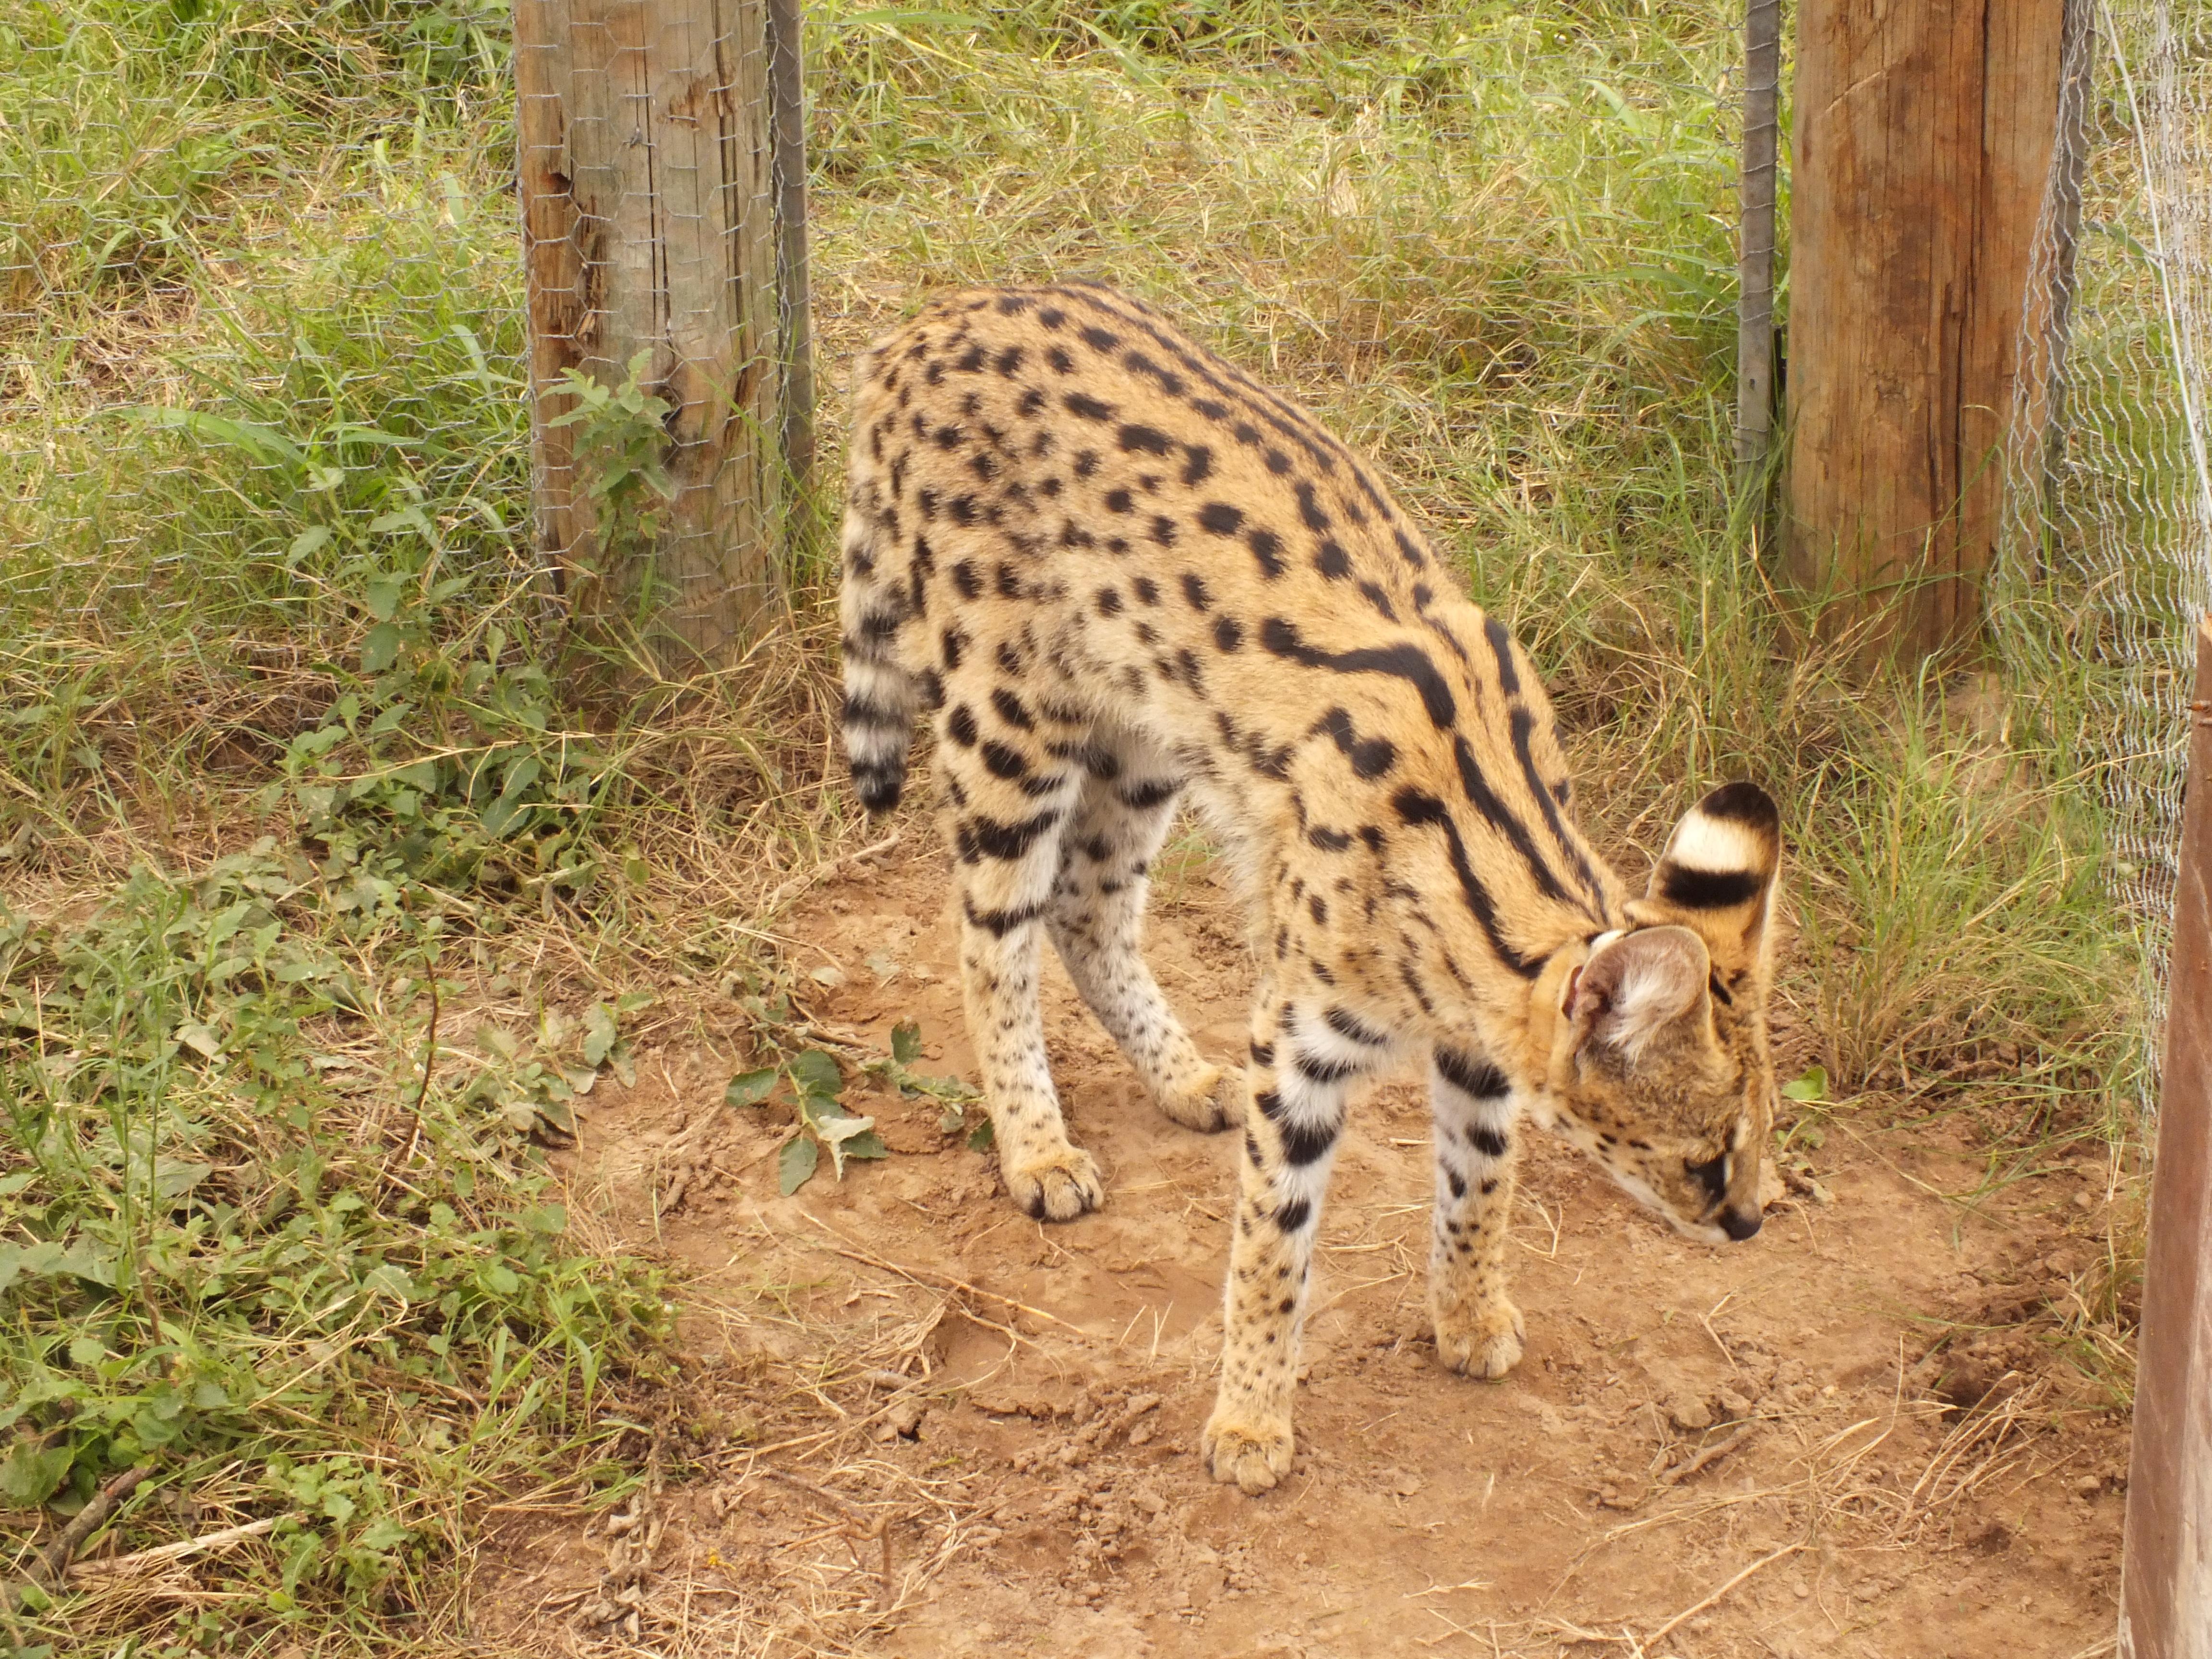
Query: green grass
(289, 739)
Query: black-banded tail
(880, 696)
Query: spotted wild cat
(1114, 571)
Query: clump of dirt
(914, 1422)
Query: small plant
(954, 1095)
(820, 1118)
(533, 1086)
(621, 442)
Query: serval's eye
(1711, 1175)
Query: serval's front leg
(1304, 1062)
(1479, 1330)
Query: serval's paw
(1060, 1186)
(1253, 1453)
(1482, 1340)
(1212, 1101)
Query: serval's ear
(1634, 986)
(1716, 877)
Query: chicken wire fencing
(2106, 553)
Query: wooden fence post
(1755, 193)
(2166, 1575)
(786, 45)
(1922, 147)
(646, 163)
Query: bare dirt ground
(910, 1421)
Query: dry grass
(1489, 248)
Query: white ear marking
(1704, 843)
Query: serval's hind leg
(1096, 917)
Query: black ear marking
(1709, 890)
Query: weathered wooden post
(1755, 196)
(786, 45)
(647, 180)
(1922, 147)
(2166, 1577)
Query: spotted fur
(1111, 570)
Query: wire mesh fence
(2107, 541)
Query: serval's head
(1659, 1065)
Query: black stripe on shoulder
(1415, 806)
(1501, 646)
(1523, 726)
(1407, 662)
(1499, 817)
(1709, 890)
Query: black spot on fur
(1199, 465)
(1469, 1075)
(1349, 1026)
(1156, 791)
(999, 923)
(1011, 710)
(1332, 561)
(1371, 757)
(1228, 633)
(1219, 518)
(1267, 548)
(960, 726)
(988, 838)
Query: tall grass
(289, 761)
